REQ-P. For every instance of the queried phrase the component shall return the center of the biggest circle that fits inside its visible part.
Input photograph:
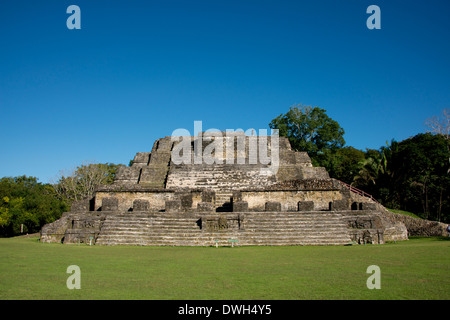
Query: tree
(309, 129)
(26, 205)
(422, 164)
(377, 174)
(440, 125)
(344, 164)
(411, 175)
(81, 182)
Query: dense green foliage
(24, 201)
(343, 163)
(411, 175)
(309, 129)
(26, 205)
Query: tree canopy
(26, 203)
(310, 129)
(81, 182)
(411, 175)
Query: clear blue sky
(137, 70)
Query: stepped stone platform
(243, 201)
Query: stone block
(369, 206)
(127, 173)
(339, 205)
(287, 157)
(288, 173)
(273, 206)
(208, 196)
(141, 157)
(319, 173)
(240, 206)
(165, 144)
(186, 200)
(396, 232)
(80, 205)
(284, 143)
(141, 205)
(110, 204)
(303, 159)
(205, 207)
(160, 158)
(305, 205)
(153, 176)
(173, 206)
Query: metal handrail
(358, 191)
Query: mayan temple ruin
(172, 197)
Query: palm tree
(377, 173)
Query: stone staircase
(306, 228)
(257, 228)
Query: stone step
(244, 217)
(212, 242)
(288, 236)
(257, 229)
(241, 234)
(246, 232)
(213, 236)
(244, 220)
(226, 242)
(262, 224)
(244, 224)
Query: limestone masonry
(159, 202)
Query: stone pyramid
(223, 190)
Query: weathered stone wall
(395, 232)
(399, 226)
(306, 184)
(415, 226)
(157, 200)
(74, 227)
(369, 226)
(54, 232)
(127, 175)
(156, 168)
(289, 199)
(218, 177)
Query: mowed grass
(414, 269)
(406, 213)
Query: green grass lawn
(406, 213)
(414, 269)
